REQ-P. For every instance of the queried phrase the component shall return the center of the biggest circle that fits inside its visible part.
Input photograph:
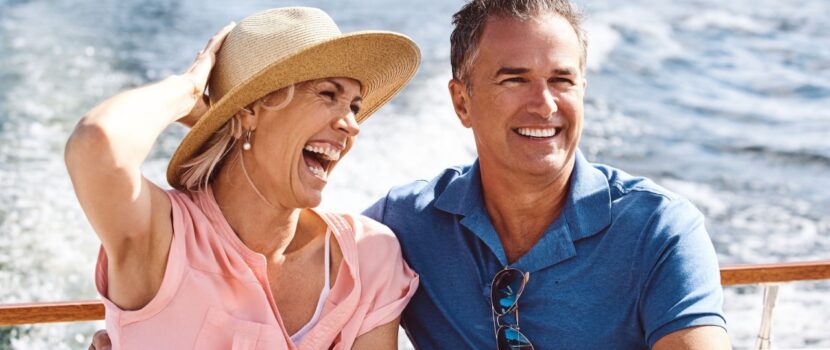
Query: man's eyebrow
(511, 71)
(518, 71)
(564, 71)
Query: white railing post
(764, 341)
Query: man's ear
(460, 101)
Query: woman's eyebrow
(337, 85)
(340, 89)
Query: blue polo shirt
(626, 263)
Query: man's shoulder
(409, 208)
(422, 193)
(626, 187)
(639, 199)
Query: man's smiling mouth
(538, 133)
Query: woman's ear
(247, 117)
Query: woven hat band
(265, 38)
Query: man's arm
(376, 211)
(695, 338)
(681, 300)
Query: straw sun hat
(276, 48)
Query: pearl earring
(247, 144)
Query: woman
(233, 258)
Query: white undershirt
(297, 337)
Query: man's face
(525, 106)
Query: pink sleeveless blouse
(215, 293)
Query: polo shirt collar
(587, 211)
(463, 195)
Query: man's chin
(541, 167)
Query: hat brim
(383, 62)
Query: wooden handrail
(772, 273)
(92, 310)
(73, 311)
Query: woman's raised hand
(199, 72)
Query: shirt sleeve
(376, 211)
(682, 286)
(173, 271)
(388, 283)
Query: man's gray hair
(469, 25)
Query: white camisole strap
(297, 337)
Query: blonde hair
(198, 172)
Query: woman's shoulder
(368, 233)
(192, 205)
(368, 243)
(380, 264)
(205, 235)
(383, 282)
(179, 197)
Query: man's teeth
(537, 132)
(319, 172)
(329, 152)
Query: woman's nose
(348, 124)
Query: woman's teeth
(329, 152)
(319, 172)
(537, 132)
(319, 156)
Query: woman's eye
(355, 109)
(329, 94)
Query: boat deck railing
(771, 276)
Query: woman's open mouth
(318, 157)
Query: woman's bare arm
(382, 337)
(130, 214)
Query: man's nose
(542, 100)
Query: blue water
(725, 103)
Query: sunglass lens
(507, 286)
(510, 338)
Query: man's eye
(562, 81)
(513, 80)
(355, 109)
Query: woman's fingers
(100, 341)
(199, 71)
(216, 41)
(199, 109)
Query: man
(591, 257)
